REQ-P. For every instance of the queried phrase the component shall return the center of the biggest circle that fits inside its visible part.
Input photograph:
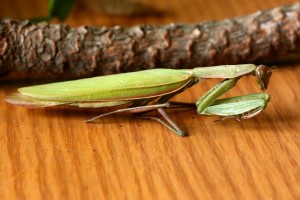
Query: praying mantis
(150, 90)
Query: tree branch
(86, 51)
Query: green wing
(134, 85)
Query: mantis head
(263, 74)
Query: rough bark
(86, 51)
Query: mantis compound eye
(263, 74)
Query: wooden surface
(53, 154)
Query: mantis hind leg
(137, 109)
(170, 124)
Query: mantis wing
(27, 101)
(135, 85)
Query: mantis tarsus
(149, 90)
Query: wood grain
(53, 154)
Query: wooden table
(53, 154)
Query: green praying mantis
(150, 90)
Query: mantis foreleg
(245, 106)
